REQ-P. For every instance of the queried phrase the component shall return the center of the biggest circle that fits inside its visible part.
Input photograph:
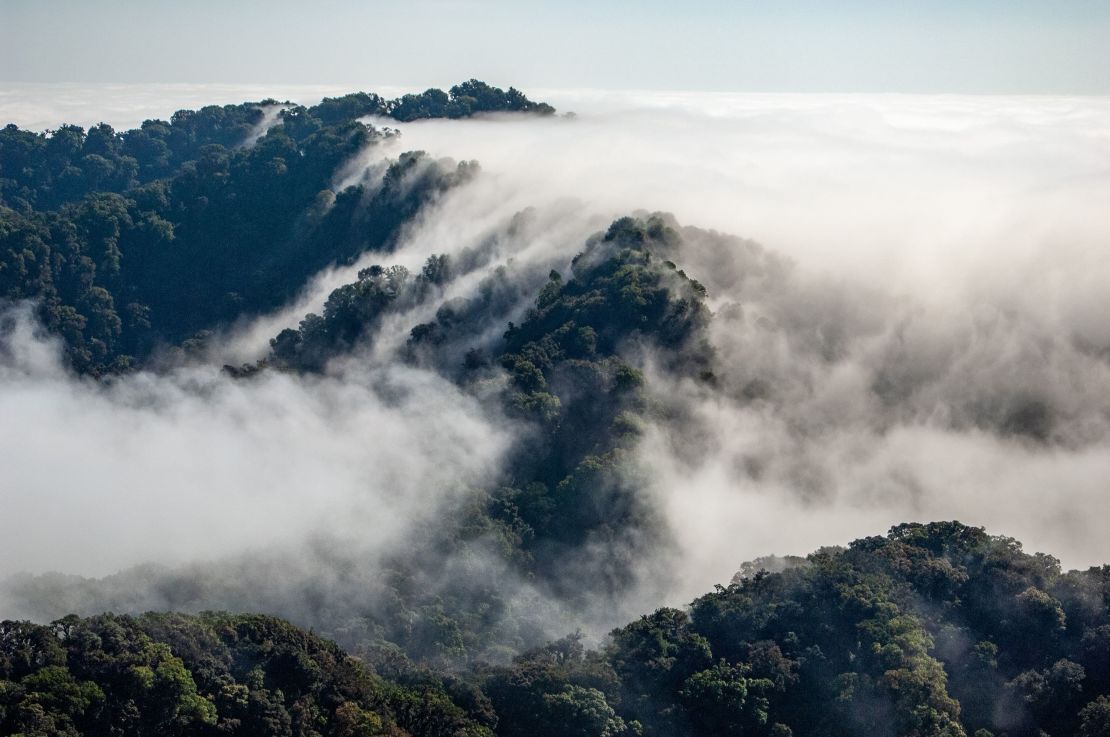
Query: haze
(991, 46)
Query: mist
(190, 465)
(923, 316)
(909, 324)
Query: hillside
(932, 630)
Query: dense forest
(137, 250)
(937, 629)
(144, 239)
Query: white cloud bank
(956, 248)
(192, 465)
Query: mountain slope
(937, 630)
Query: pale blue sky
(968, 46)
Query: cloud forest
(452, 414)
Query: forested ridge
(141, 240)
(937, 629)
(136, 249)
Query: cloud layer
(191, 465)
(920, 336)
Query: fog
(922, 190)
(943, 280)
(188, 464)
(910, 326)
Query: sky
(940, 46)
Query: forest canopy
(937, 630)
(143, 239)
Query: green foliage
(884, 637)
(849, 642)
(213, 674)
(556, 690)
(349, 313)
(654, 658)
(717, 698)
(464, 100)
(568, 375)
(137, 240)
(46, 170)
(582, 712)
(234, 236)
(898, 635)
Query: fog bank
(911, 326)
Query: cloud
(191, 465)
(920, 336)
(926, 325)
